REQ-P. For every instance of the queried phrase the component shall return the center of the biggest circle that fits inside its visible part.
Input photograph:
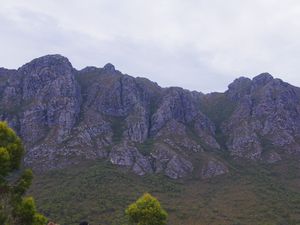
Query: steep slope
(41, 101)
(66, 116)
(266, 122)
(146, 125)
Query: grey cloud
(199, 45)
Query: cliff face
(266, 122)
(65, 115)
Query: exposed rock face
(273, 157)
(173, 165)
(266, 119)
(65, 115)
(47, 97)
(213, 168)
(125, 155)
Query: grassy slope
(100, 192)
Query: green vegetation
(117, 125)
(146, 211)
(218, 108)
(99, 192)
(146, 147)
(15, 209)
(25, 213)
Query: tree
(146, 211)
(14, 208)
(10, 143)
(26, 214)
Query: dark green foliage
(218, 107)
(146, 211)
(14, 209)
(39, 219)
(24, 182)
(25, 211)
(11, 149)
(117, 125)
(146, 147)
(4, 162)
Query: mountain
(65, 116)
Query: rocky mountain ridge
(65, 115)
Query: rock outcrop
(64, 116)
(213, 168)
(266, 120)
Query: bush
(146, 211)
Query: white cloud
(197, 44)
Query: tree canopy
(11, 150)
(146, 211)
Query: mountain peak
(60, 62)
(109, 67)
(262, 79)
(239, 87)
(239, 82)
(52, 58)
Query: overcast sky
(196, 44)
